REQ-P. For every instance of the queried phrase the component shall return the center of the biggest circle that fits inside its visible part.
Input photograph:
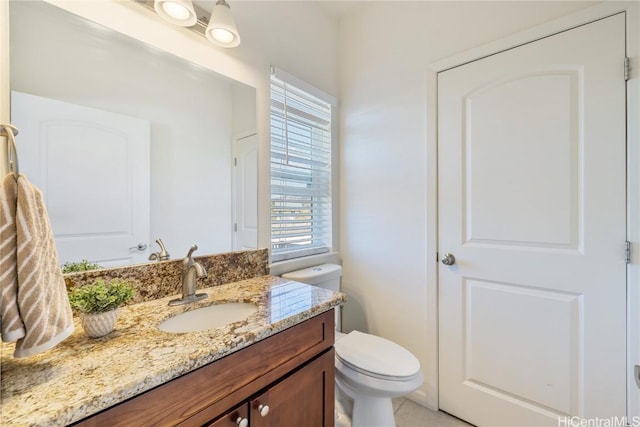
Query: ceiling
(340, 8)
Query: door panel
(108, 153)
(498, 316)
(547, 129)
(531, 199)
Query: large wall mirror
(129, 143)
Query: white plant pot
(99, 324)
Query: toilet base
(373, 412)
(365, 410)
(342, 418)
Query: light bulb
(222, 35)
(178, 12)
(175, 10)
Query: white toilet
(370, 370)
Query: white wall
(243, 109)
(295, 36)
(385, 52)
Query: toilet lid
(379, 356)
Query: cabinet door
(303, 399)
(237, 417)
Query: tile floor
(410, 414)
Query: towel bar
(10, 133)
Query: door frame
(582, 17)
(235, 213)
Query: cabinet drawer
(211, 390)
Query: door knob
(448, 259)
(141, 247)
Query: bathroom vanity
(281, 357)
(286, 379)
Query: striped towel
(12, 327)
(42, 298)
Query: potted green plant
(74, 267)
(98, 304)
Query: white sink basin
(213, 316)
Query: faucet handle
(192, 250)
(163, 255)
(163, 251)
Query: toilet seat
(376, 357)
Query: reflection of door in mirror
(245, 192)
(92, 167)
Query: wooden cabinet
(291, 372)
(301, 399)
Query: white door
(531, 194)
(66, 148)
(245, 192)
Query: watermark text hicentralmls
(598, 422)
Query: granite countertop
(82, 376)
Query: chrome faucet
(190, 271)
(163, 255)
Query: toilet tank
(325, 276)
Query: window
(300, 168)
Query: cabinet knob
(242, 422)
(264, 410)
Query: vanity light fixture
(222, 30)
(178, 12)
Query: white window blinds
(300, 172)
